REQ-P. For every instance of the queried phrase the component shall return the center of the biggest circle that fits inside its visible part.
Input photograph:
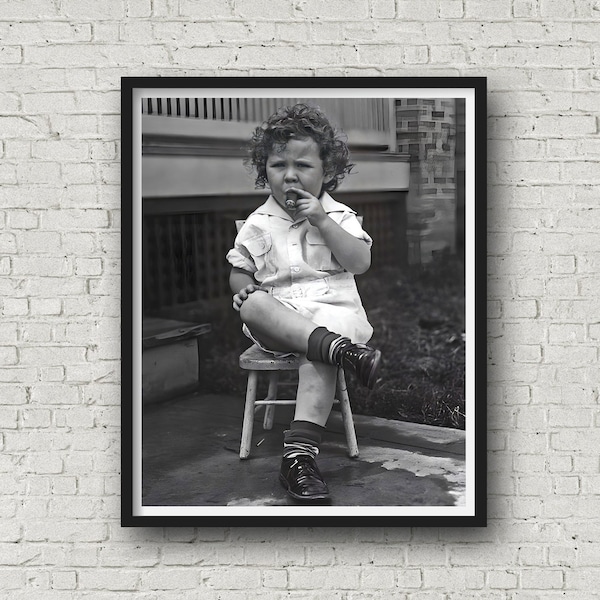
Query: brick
(563, 9)
(39, 242)
(503, 580)
(572, 440)
(36, 418)
(383, 9)
(76, 219)
(237, 578)
(580, 172)
(88, 266)
(546, 580)
(200, 8)
(531, 287)
(416, 55)
(452, 9)
(274, 578)
(45, 306)
(526, 309)
(456, 578)
(64, 580)
(23, 219)
(560, 464)
(8, 243)
(108, 580)
(563, 264)
(8, 174)
(570, 417)
(57, 267)
(527, 353)
(374, 578)
(580, 355)
(569, 486)
(356, 9)
(8, 355)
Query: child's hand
(310, 207)
(243, 294)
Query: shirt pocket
(318, 254)
(259, 248)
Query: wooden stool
(255, 360)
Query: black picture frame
(134, 513)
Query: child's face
(296, 165)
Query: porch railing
(366, 114)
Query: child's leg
(278, 327)
(316, 391)
(283, 329)
(299, 473)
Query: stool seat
(254, 360)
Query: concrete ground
(191, 445)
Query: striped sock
(335, 349)
(303, 437)
(294, 449)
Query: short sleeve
(237, 259)
(239, 256)
(351, 224)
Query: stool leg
(271, 395)
(248, 414)
(346, 414)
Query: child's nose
(290, 174)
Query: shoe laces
(305, 469)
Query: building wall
(427, 131)
(60, 69)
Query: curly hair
(299, 122)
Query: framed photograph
(303, 302)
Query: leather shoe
(363, 360)
(302, 479)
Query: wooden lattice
(184, 254)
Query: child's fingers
(299, 192)
(242, 295)
(257, 288)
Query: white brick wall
(60, 69)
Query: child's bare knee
(253, 305)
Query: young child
(293, 266)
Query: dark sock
(324, 346)
(303, 437)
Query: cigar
(290, 199)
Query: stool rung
(281, 401)
(263, 402)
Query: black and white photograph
(304, 301)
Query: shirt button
(296, 269)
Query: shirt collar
(272, 207)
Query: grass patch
(418, 318)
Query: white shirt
(292, 261)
